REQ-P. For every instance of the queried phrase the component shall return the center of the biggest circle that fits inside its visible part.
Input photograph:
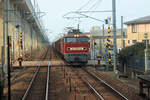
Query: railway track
(102, 90)
(39, 85)
(75, 83)
(108, 87)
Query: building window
(144, 41)
(128, 41)
(134, 41)
(134, 28)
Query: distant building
(96, 36)
(136, 30)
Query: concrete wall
(30, 37)
(1, 27)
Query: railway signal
(108, 45)
(21, 44)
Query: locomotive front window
(69, 40)
(73, 39)
(83, 39)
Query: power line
(85, 5)
(95, 4)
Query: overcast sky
(55, 9)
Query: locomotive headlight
(77, 35)
(84, 49)
(68, 49)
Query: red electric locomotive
(74, 47)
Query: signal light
(21, 36)
(106, 21)
(21, 45)
(109, 60)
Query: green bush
(136, 50)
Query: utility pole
(122, 33)
(146, 53)
(114, 33)
(7, 47)
(103, 34)
(8, 70)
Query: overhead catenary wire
(95, 5)
(84, 5)
(89, 4)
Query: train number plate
(77, 48)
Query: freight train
(74, 47)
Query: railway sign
(145, 35)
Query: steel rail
(91, 87)
(120, 94)
(31, 82)
(97, 93)
(47, 84)
(29, 87)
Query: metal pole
(6, 16)
(146, 53)
(7, 50)
(94, 52)
(146, 58)
(122, 26)
(104, 43)
(103, 32)
(114, 32)
(100, 46)
(8, 70)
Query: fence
(137, 63)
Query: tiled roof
(141, 20)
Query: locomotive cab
(76, 48)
